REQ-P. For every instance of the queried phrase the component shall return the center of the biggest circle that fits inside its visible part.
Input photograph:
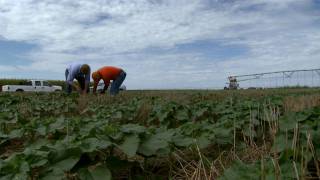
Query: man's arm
(76, 87)
(95, 85)
(86, 86)
(106, 85)
(87, 82)
(70, 78)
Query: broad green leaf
(248, 131)
(84, 174)
(223, 135)
(39, 163)
(130, 145)
(15, 164)
(301, 116)
(203, 141)
(55, 174)
(87, 128)
(66, 164)
(182, 141)
(20, 176)
(24, 167)
(42, 130)
(62, 151)
(7, 177)
(38, 144)
(288, 171)
(92, 144)
(154, 143)
(200, 112)
(100, 172)
(239, 170)
(36, 158)
(133, 128)
(60, 123)
(287, 122)
(17, 133)
(182, 115)
(281, 143)
(163, 116)
(64, 159)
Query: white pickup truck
(32, 86)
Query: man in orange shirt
(108, 73)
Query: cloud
(276, 35)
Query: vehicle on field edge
(32, 86)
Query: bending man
(80, 72)
(108, 73)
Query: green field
(244, 134)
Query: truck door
(46, 86)
(28, 86)
(38, 86)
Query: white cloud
(278, 35)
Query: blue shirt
(73, 71)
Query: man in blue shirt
(80, 72)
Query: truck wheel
(19, 90)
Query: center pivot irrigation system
(304, 77)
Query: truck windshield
(38, 83)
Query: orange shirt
(108, 73)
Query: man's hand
(84, 92)
(86, 88)
(77, 88)
(94, 91)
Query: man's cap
(85, 68)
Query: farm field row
(253, 134)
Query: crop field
(243, 134)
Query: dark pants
(81, 80)
(115, 86)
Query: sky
(161, 44)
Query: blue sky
(160, 43)
(14, 52)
